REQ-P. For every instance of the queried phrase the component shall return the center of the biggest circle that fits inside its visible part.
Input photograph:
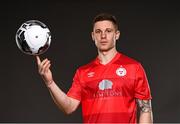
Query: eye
(97, 31)
(109, 30)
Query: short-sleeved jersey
(108, 92)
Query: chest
(108, 81)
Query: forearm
(146, 117)
(65, 103)
(60, 98)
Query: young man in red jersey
(110, 87)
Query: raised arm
(65, 103)
(146, 115)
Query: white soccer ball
(33, 37)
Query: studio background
(149, 34)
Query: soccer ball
(33, 37)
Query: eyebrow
(105, 29)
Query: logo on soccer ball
(121, 71)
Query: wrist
(49, 83)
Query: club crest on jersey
(105, 84)
(121, 71)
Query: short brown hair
(106, 16)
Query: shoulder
(127, 60)
(87, 66)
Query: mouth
(103, 42)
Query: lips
(103, 42)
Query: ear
(92, 35)
(117, 34)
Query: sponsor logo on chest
(105, 84)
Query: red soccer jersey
(108, 92)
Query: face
(105, 35)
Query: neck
(106, 56)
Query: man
(109, 87)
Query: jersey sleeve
(142, 89)
(75, 90)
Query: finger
(45, 66)
(41, 66)
(43, 62)
(38, 60)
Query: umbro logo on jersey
(90, 74)
(121, 71)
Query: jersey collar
(97, 61)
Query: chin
(104, 49)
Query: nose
(103, 35)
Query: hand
(44, 71)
